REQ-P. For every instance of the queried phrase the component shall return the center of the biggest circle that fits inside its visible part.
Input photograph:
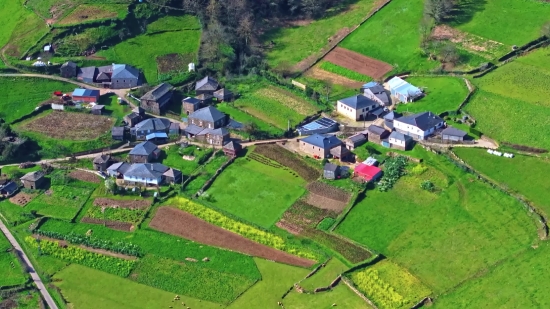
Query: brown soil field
(289, 227)
(137, 204)
(173, 62)
(22, 198)
(84, 176)
(180, 223)
(73, 126)
(359, 63)
(86, 13)
(325, 203)
(321, 74)
(115, 225)
(329, 191)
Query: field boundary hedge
(210, 181)
(36, 112)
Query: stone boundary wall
(216, 174)
(356, 291)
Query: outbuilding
(367, 172)
(404, 91)
(85, 95)
(376, 134)
(223, 95)
(400, 141)
(331, 171)
(451, 134)
(355, 141)
(34, 180)
(98, 109)
(232, 149)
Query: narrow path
(41, 287)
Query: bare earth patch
(325, 203)
(84, 176)
(84, 13)
(476, 44)
(358, 63)
(22, 198)
(177, 222)
(329, 191)
(115, 225)
(321, 74)
(70, 126)
(106, 202)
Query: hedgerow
(115, 266)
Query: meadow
(515, 116)
(204, 173)
(152, 45)
(25, 27)
(113, 108)
(336, 69)
(172, 156)
(341, 295)
(63, 202)
(442, 94)
(491, 19)
(21, 95)
(86, 13)
(264, 192)
(392, 35)
(445, 236)
(296, 42)
(12, 272)
(325, 275)
(115, 292)
(245, 118)
(512, 173)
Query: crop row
(345, 72)
(287, 158)
(288, 99)
(328, 191)
(375, 288)
(116, 266)
(116, 214)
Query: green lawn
(518, 282)
(325, 275)
(11, 271)
(276, 280)
(23, 28)
(491, 19)
(511, 104)
(264, 192)
(21, 95)
(94, 13)
(63, 202)
(392, 35)
(10, 15)
(84, 287)
(14, 214)
(175, 23)
(173, 156)
(512, 173)
(113, 108)
(444, 237)
(442, 94)
(336, 69)
(341, 295)
(151, 46)
(245, 118)
(295, 43)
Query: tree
(545, 30)
(449, 53)
(110, 185)
(438, 9)
(326, 87)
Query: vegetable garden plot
(85, 176)
(70, 126)
(61, 202)
(287, 158)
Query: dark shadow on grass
(464, 11)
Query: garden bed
(325, 203)
(132, 204)
(329, 191)
(85, 176)
(70, 126)
(358, 63)
(115, 225)
(22, 198)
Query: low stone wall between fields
(356, 291)
(211, 180)
(422, 302)
(330, 286)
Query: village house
(149, 126)
(213, 136)
(399, 141)
(118, 169)
(156, 100)
(356, 107)
(144, 153)
(150, 174)
(102, 161)
(367, 172)
(331, 171)
(232, 149)
(132, 119)
(318, 145)
(403, 91)
(223, 95)
(376, 133)
(207, 117)
(8, 189)
(388, 120)
(341, 153)
(190, 105)
(418, 126)
(117, 133)
(452, 135)
(172, 176)
(206, 85)
(376, 92)
(34, 180)
(205, 99)
(355, 141)
(319, 126)
(115, 76)
(85, 95)
(68, 69)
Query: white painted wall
(352, 113)
(143, 180)
(58, 107)
(396, 142)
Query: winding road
(41, 287)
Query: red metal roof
(368, 172)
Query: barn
(451, 134)
(85, 95)
(367, 172)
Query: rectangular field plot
(441, 237)
(389, 286)
(11, 270)
(87, 288)
(86, 13)
(356, 62)
(325, 275)
(61, 202)
(255, 192)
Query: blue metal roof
(370, 84)
(322, 141)
(80, 92)
(156, 135)
(320, 124)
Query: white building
(418, 126)
(356, 107)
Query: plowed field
(359, 63)
(70, 126)
(84, 176)
(177, 222)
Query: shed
(451, 134)
(223, 95)
(404, 91)
(98, 109)
(132, 119)
(400, 141)
(376, 134)
(232, 149)
(102, 161)
(85, 95)
(367, 172)
(355, 141)
(205, 99)
(174, 128)
(331, 171)
(68, 69)
(206, 85)
(157, 137)
(117, 133)
(340, 152)
(34, 180)
(172, 175)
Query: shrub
(325, 224)
(427, 185)
(394, 168)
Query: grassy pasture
(325, 275)
(175, 23)
(21, 95)
(63, 202)
(29, 28)
(491, 19)
(392, 35)
(11, 275)
(172, 156)
(10, 15)
(336, 69)
(446, 236)
(341, 295)
(244, 118)
(512, 173)
(86, 13)
(264, 192)
(14, 213)
(113, 108)
(151, 45)
(442, 94)
(84, 288)
(296, 42)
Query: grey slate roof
(391, 116)
(374, 129)
(233, 145)
(377, 89)
(146, 170)
(33, 176)
(400, 136)
(190, 100)
(133, 115)
(103, 76)
(220, 94)
(69, 64)
(98, 107)
(193, 129)
(322, 141)
(144, 149)
(219, 131)
(208, 113)
(10, 187)
(124, 71)
(423, 121)
(120, 167)
(87, 72)
(340, 151)
(154, 124)
(172, 172)
(330, 167)
(117, 131)
(207, 83)
(204, 96)
(102, 159)
(158, 92)
(358, 102)
(454, 132)
(359, 137)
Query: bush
(394, 168)
(427, 185)
(326, 223)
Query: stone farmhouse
(115, 76)
(207, 85)
(146, 129)
(356, 107)
(34, 180)
(144, 153)
(418, 126)
(68, 69)
(207, 125)
(322, 146)
(144, 174)
(156, 100)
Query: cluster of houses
(31, 180)
(114, 76)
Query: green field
(518, 282)
(441, 237)
(295, 43)
(14, 214)
(511, 104)
(28, 29)
(63, 202)
(84, 287)
(175, 23)
(491, 19)
(336, 69)
(10, 15)
(442, 94)
(512, 173)
(113, 108)
(264, 192)
(325, 275)
(341, 295)
(152, 45)
(172, 156)
(94, 13)
(21, 95)
(392, 35)
(11, 270)
(245, 118)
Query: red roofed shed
(367, 172)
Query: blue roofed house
(156, 100)
(356, 107)
(418, 126)
(319, 145)
(404, 91)
(151, 125)
(85, 95)
(144, 153)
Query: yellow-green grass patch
(86, 13)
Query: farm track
(180, 223)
